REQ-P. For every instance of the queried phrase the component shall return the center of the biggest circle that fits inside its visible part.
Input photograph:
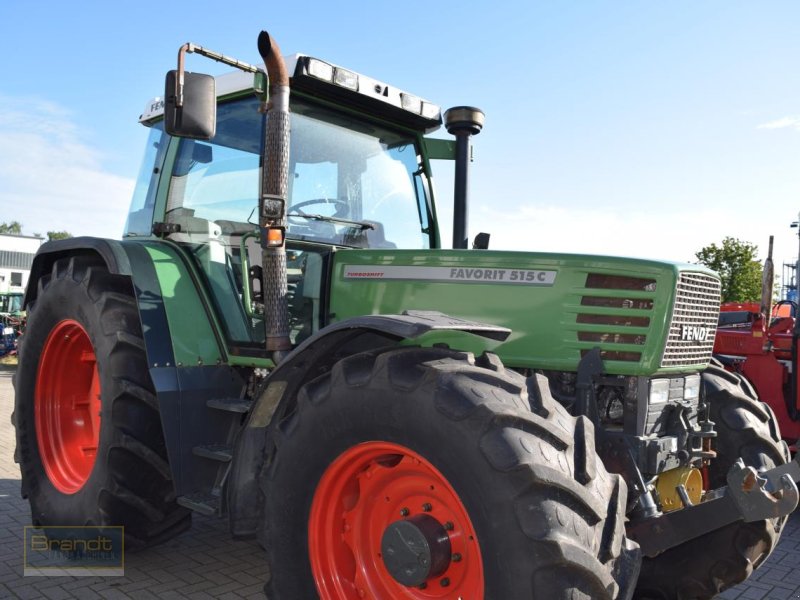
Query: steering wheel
(341, 206)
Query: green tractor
(280, 339)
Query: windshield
(351, 183)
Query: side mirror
(196, 117)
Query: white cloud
(51, 179)
(791, 122)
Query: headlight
(691, 388)
(320, 70)
(430, 111)
(346, 79)
(412, 103)
(659, 391)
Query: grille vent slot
(624, 320)
(619, 282)
(616, 355)
(608, 302)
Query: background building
(16, 258)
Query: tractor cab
(357, 179)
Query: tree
(735, 262)
(58, 235)
(13, 228)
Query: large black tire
(130, 481)
(706, 566)
(549, 518)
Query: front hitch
(764, 496)
(749, 496)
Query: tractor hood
(646, 316)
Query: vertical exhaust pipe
(793, 403)
(272, 200)
(462, 122)
(767, 284)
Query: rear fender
(110, 252)
(185, 355)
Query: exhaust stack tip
(271, 54)
(464, 119)
(264, 44)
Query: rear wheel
(89, 439)
(704, 567)
(423, 473)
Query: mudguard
(110, 251)
(185, 354)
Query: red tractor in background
(760, 342)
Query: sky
(634, 128)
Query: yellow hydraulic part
(689, 477)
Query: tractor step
(236, 405)
(220, 452)
(203, 503)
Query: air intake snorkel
(462, 122)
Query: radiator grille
(694, 321)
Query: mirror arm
(189, 48)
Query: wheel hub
(385, 523)
(415, 549)
(67, 406)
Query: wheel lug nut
(448, 526)
(404, 512)
(456, 557)
(445, 582)
(423, 585)
(427, 507)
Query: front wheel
(424, 473)
(703, 567)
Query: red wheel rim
(367, 488)
(67, 406)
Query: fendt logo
(692, 333)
